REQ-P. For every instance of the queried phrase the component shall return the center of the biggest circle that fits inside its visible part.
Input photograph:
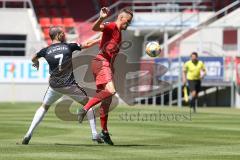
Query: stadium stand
(19, 11)
(61, 9)
(54, 13)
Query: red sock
(104, 120)
(103, 94)
(104, 108)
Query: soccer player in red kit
(102, 65)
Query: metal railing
(141, 5)
(24, 4)
(167, 24)
(28, 46)
(210, 48)
(175, 40)
(228, 77)
(144, 6)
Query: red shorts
(102, 71)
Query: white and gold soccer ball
(153, 49)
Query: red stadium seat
(39, 3)
(46, 32)
(61, 3)
(51, 3)
(42, 12)
(65, 12)
(45, 22)
(53, 12)
(104, 3)
(57, 22)
(68, 22)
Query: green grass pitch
(211, 134)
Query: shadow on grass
(101, 145)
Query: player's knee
(46, 107)
(111, 91)
(194, 94)
(110, 88)
(84, 101)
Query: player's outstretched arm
(92, 42)
(35, 61)
(98, 26)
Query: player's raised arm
(35, 61)
(98, 26)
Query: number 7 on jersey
(60, 57)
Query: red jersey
(110, 43)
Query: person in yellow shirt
(193, 72)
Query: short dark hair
(127, 10)
(54, 31)
(194, 53)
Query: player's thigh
(198, 86)
(110, 87)
(77, 93)
(191, 85)
(50, 97)
(102, 72)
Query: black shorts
(194, 85)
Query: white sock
(92, 121)
(36, 120)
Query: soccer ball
(153, 49)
